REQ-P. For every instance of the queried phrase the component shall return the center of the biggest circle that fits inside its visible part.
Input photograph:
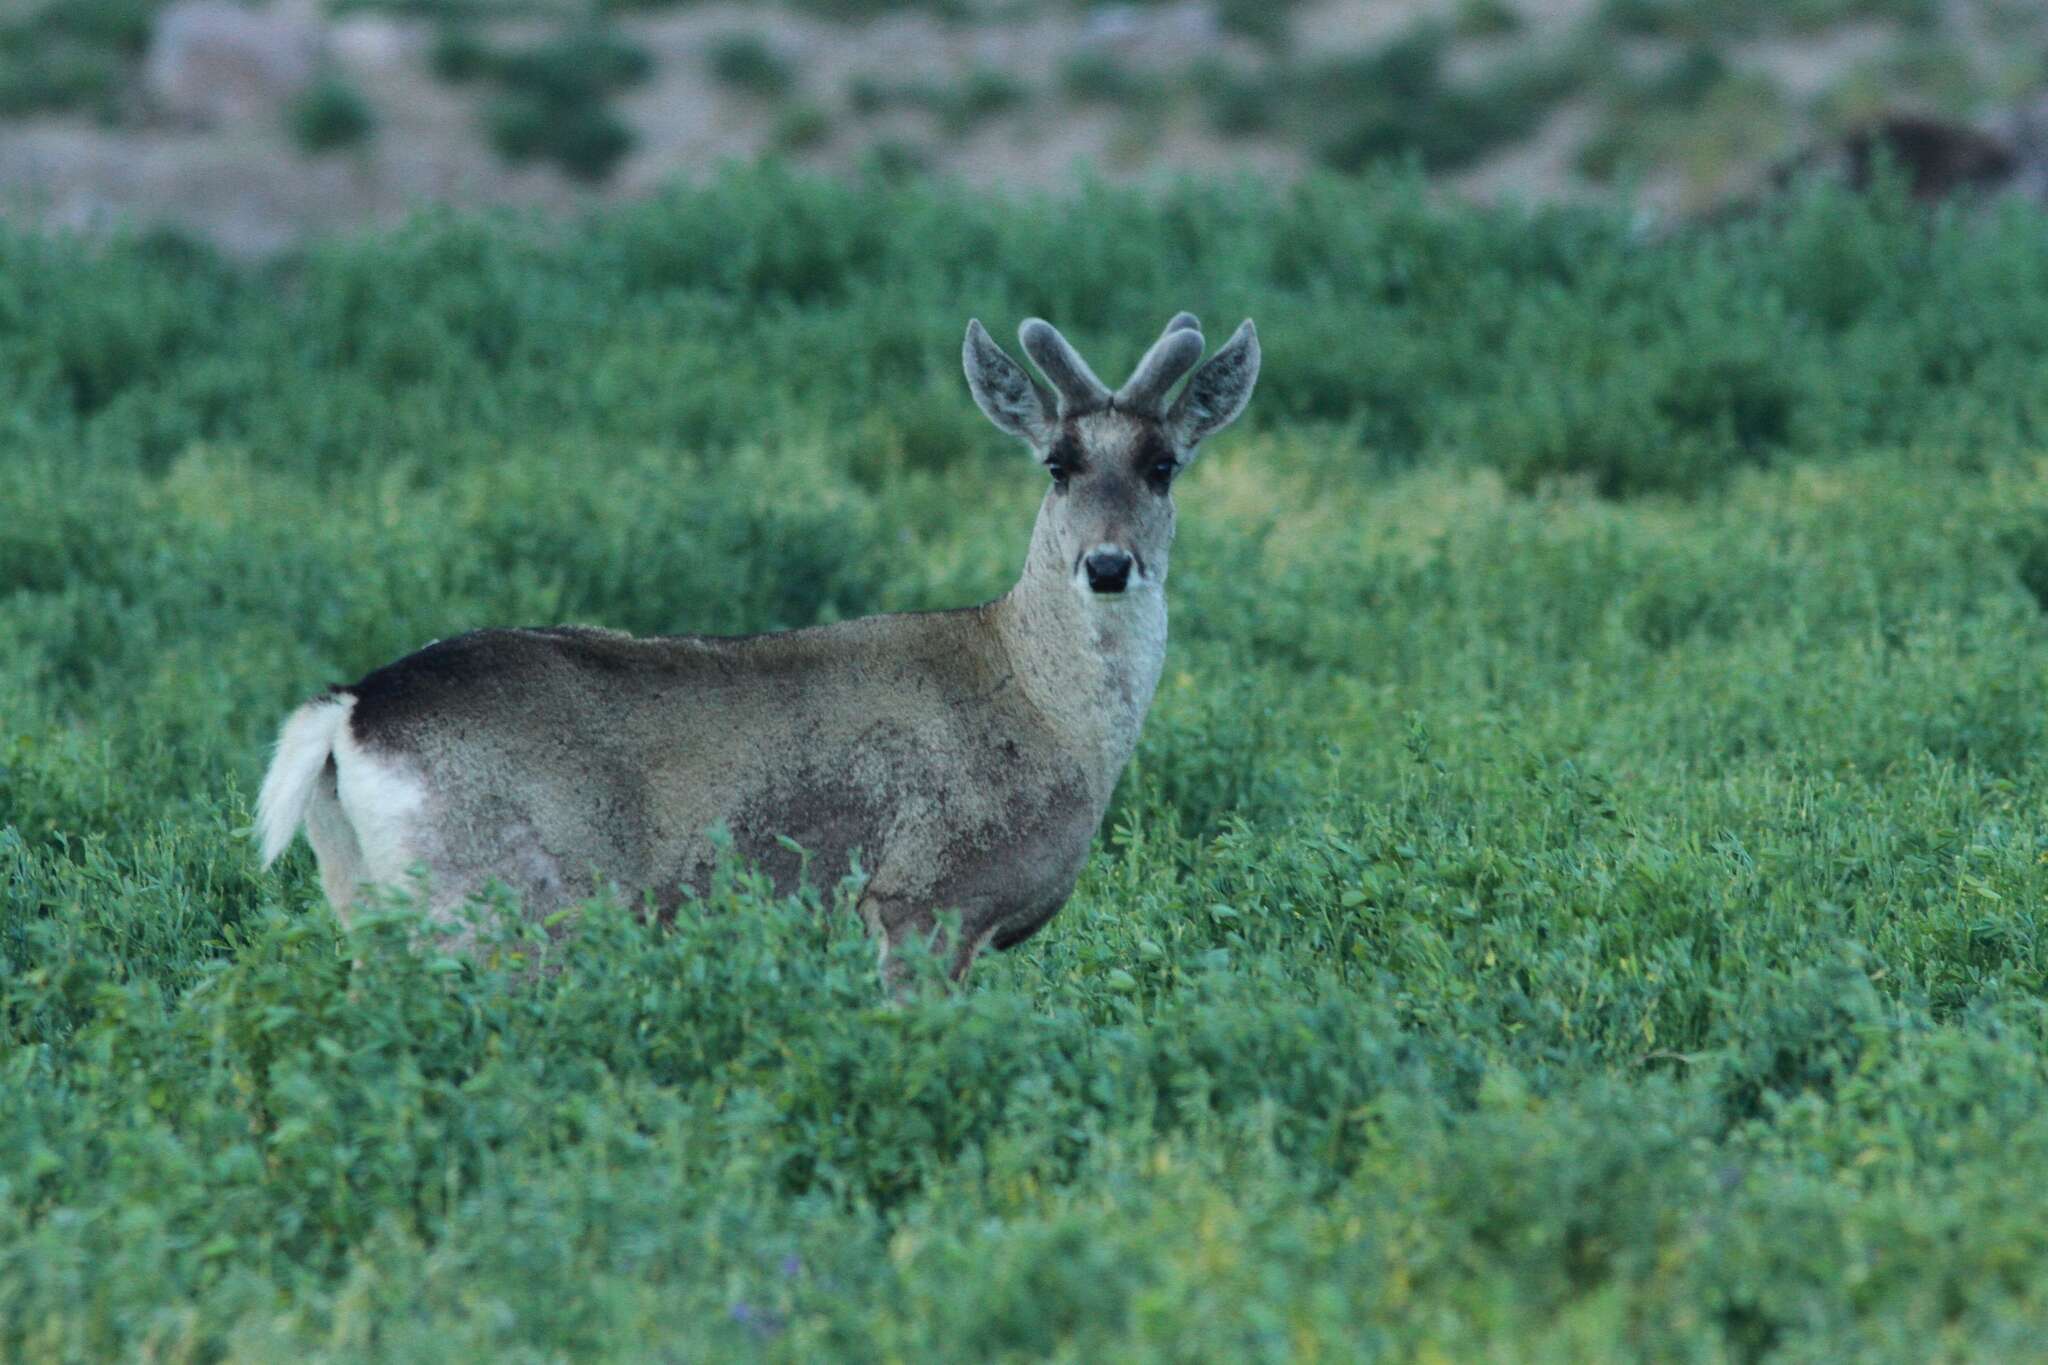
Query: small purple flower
(792, 1266)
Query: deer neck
(1088, 663)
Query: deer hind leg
(333, 838)
(966, 950)
(895, 922)
(381, 801)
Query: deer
(962, 760)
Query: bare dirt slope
(1026, 95)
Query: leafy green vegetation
(329, 115)
(853, 10)
(800, 126)
(895, 160)
(1487, 18)
(1677, 111)
(1728, 19)
(982, 94)
(459, 54)
(1237, 103)
(747, 61)
(1721, 144)
(79, 55)
(958, 106)
(1577, 896)
(552, 98)
(1397, 101)
(1095, 77)
(1267, 21)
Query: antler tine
(1078, 388)
(1172, 356)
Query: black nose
(1108, 570)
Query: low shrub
(551, 98)
(331, 115)
(746, 61)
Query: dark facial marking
(1065, 459)
(1155, 461)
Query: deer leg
(895, 920)
(965, 951)
(891, 922)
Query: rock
(369, 41)
(1111, 24)
(2028, 128)
(1183, 29)
(215, 61)
(1937, 158)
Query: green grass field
(1579, 896)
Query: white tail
(303, 748)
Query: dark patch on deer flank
(471, 675)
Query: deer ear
(1219, 390)
(1010, 398)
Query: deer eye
(1059, 473)
(1161, 473)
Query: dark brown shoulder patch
(395, 702)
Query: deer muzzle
(1108, 570)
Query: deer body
(964, 758)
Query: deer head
(1113, 458)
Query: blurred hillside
(257, 126)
